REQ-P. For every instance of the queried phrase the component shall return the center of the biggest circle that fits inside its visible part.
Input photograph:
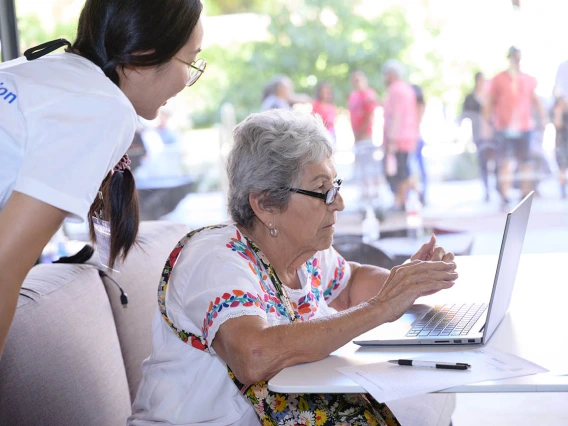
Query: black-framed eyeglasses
(195, 68)
(329, 196)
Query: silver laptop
(462, 323)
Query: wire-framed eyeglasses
(329, 196)
(195, 68)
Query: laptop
(461, 323)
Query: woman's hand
(409, 281)
(431, 252)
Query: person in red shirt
(324, 107)
(510, 106)
(401, 129)
(362, 103)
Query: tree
(310, 41)
(227, 7)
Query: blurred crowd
(506, 116)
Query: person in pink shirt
(510, 106)
(401, 129)
(324, 107)
(362, 103)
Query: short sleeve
(371, 101)
(335, 273)
(209, 287)
(71, 145)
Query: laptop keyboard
(448, 320)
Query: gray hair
(394, 66)
(270, 151)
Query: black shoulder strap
(45, 48)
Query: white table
(532, 329)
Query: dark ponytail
(140, 33)
(119, 206)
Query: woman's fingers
(425, 252)
(418, 274)
(438, 253)
(411, 280)
(448, 257)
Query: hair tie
(109, 66)
(123, 164)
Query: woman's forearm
(26, 225)
(256, 351)
(277, 347)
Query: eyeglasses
(329, 196)
(195, 68)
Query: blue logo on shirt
(6, 94)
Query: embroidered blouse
(216, 278)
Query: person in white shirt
(560, 120)
(66, 119)
(240, 301)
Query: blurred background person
(420, 108)
(323, 106)
(400, 129)
(509, 105)
(560, 119)
(277, 93)
(164, 129)
(362, 102)
(163, 151)
(472, 109)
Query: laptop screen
(509, 256)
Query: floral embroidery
(271, 302)
(197, 342)
(275, 409)
(337, 277)
(313, 268)
(227, 300)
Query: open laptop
(462, 323)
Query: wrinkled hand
(431, 252)
(409, 281)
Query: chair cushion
(62, 363)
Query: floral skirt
(279, 409)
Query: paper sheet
(388, 382)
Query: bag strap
(194, 340)
(45, 48)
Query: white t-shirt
(216, 279)
(63, 126)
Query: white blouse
(216, 278)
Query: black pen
(431, 364)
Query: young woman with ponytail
(67, 119)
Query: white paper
(388, 382)
(102, 231)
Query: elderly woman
(266, 291)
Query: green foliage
(227, 7)
(32, 32)
(306, 50)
